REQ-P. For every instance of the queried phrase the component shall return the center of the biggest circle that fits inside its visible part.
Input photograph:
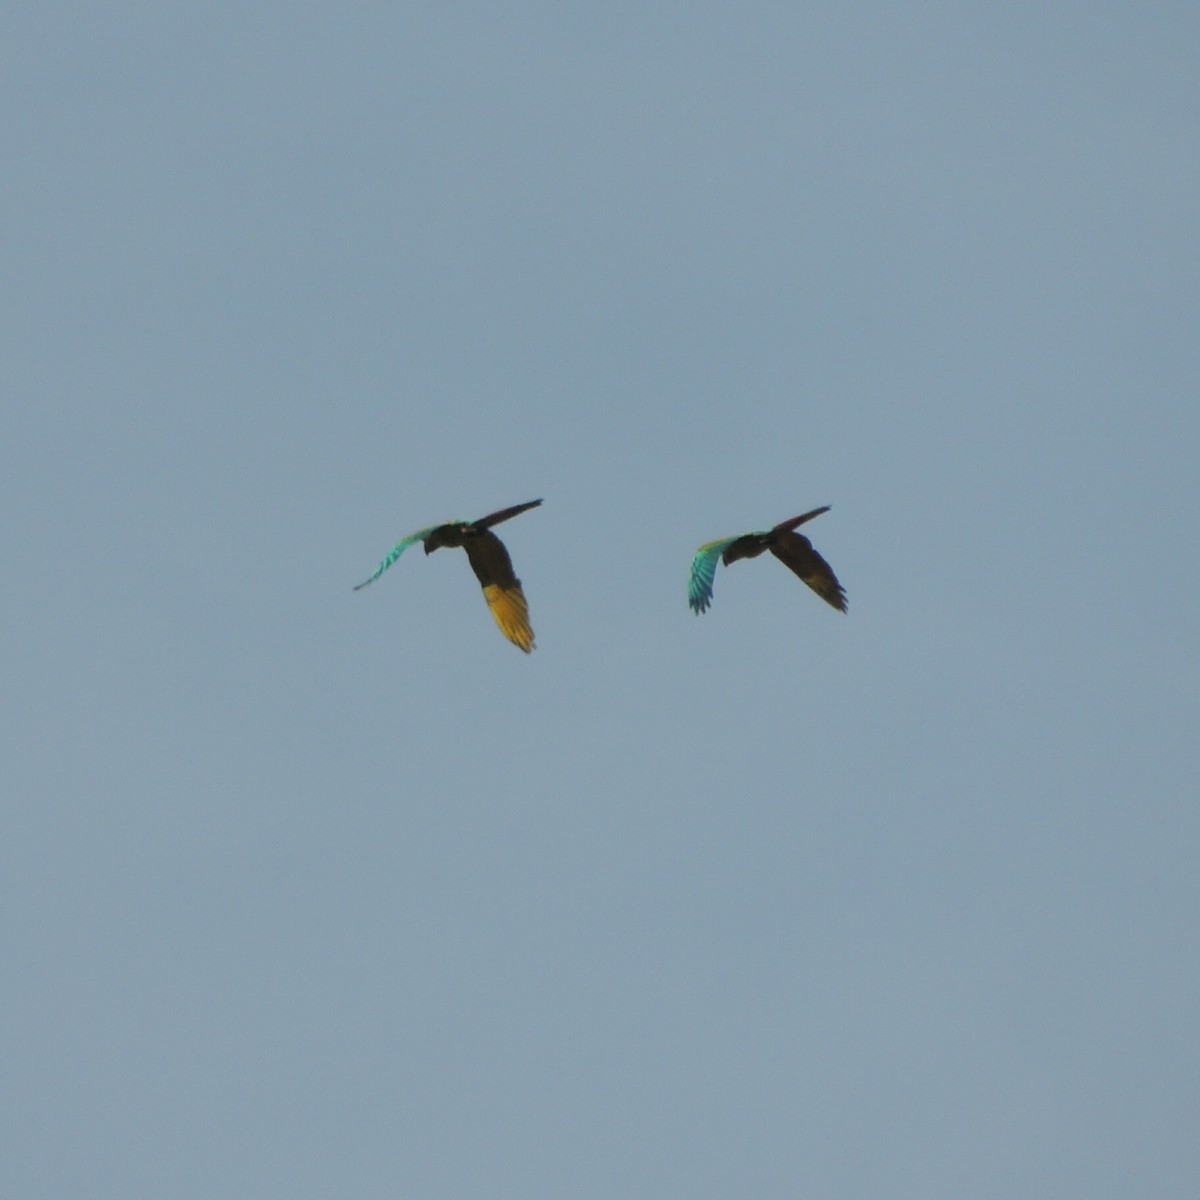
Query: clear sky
(309, 893)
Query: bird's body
(490, 562)
(792, 549)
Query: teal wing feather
(704, 566)
(395, 552)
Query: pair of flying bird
(502, 589)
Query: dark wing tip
(504, 514)
(792, 522)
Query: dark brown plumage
(485, 551)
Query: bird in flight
(488, 558)
(792, 549)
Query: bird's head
(445, 535)
(750, 545)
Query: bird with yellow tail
(490, 562)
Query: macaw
(490, 561)
(792, 549)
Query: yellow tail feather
(511, 614)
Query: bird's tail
(511, 613)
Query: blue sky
(313, 893)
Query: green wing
(395, 552)
(704, 566)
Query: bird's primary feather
(395, 552)
(704, 567)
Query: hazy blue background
(316, 894)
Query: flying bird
(488, 558)
(792, 549)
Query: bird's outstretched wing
(395, 552)
(795, 551)
(504, 514)
(704, 566)
(792, 522)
